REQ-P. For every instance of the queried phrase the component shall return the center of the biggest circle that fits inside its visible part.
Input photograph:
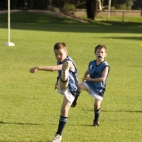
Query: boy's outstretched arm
(46, 68)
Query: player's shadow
(130, 111)
(21, 123)
(136, 66)
(17, 123)
(27, 141)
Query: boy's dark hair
(100, 46)
(60, 45)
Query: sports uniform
(71, 91)
(96, 89)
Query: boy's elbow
(54, 69)
(103, 79)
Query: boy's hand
(33, 70)
(83, 80)
(56, 86)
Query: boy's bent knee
(81, 87)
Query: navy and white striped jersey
(73, 76)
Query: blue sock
(61, 125)
(96, 114)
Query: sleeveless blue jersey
(73, 76)
(95, 71)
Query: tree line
(91, 5)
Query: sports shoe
(57, 138)
(64, 72)
(96, 123)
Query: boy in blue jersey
(94, 79)
(67, 82)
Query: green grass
(121, 19)
(29, 106)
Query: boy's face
(100, 53)
(60, 54)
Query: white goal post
(109, 8)
(9, 43)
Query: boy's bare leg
(97, 110)
(65, 107)
(97, 104)
(63, 119)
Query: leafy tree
(90, 5)
(118, 3)
(137, 4)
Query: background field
(29, 106)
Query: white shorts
(66, 92)
(92, 93)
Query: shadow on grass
(27, 141)
(130, 111)
(136, 66)
(125, 38)
(45, 22)
(18, 123)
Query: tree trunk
(91, 8)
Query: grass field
(29, 106)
